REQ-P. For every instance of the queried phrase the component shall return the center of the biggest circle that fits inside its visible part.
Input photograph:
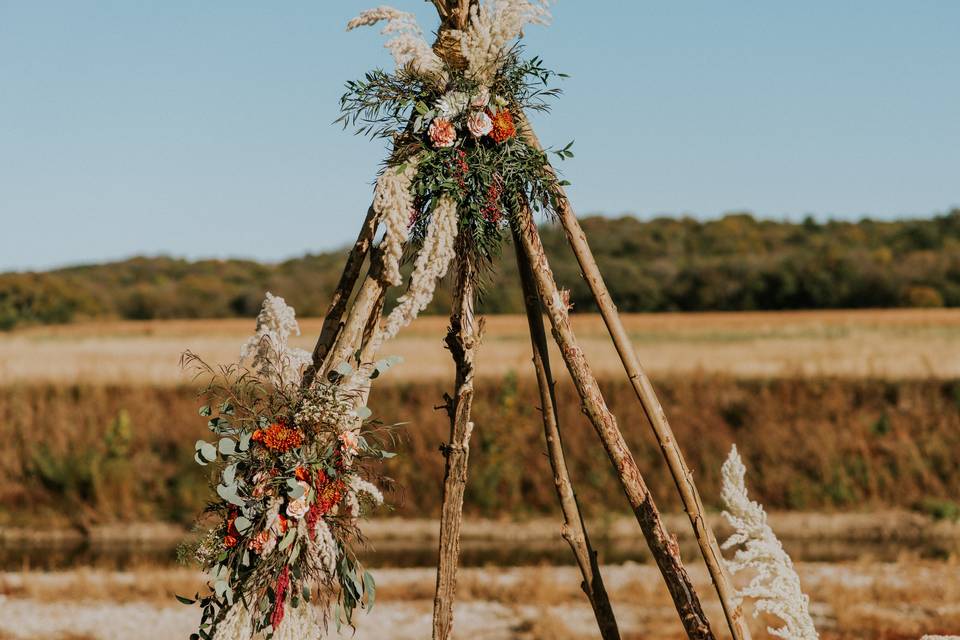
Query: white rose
(480, 98)
(452, 104)
(298, 508)
(479, 124)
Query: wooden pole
(332, 321)
(662, 545)
(366, 304)
(461, 341)
(656, 416)
(574, 531)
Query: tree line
(734, 263)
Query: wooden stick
(662, 545)
(332, 321)
(574, 531)
(656, 416)
(461, 341)
(367, 302)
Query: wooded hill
(667, 264)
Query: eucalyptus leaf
(287, 540)
(229, 493)
(364, 412)
(206, 450)
(242, 524)
(344, 369)
(227, 446)
(230, 474)
(296, 489)
(370, 588)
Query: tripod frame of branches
(353, 319)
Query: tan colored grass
(891, 343)
(854, 600)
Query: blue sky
(205, 128)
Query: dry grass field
(846, 412)
(869, 343)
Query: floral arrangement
(291, 468)
(454, 123)
(775, 585)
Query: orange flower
(278, 437)
(233, 536)
(302, 474)
(503, 126)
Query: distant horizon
(820, 219)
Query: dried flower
(775, 585)
(272, 357)
(452, 104)
(435, 256)
(503, 126)
(322, 547)
(494, 25)
(238, 623)
(442, 133)
(392, 201)
(479, 124)
(280, 597)
(407, 47)
(359, 485)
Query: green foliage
(733, 263)
(488, 175)
(939, 508)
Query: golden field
(891, 344)
(855, 415)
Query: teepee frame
(352, 321)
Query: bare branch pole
(461, 341)
(662, 545)
(574, 531)
(366, 304)
(332, 321)
(654, 411)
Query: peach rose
(479, 124)
(442, 133)
(350, 442)
(259, 542)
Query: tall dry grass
(889, 344)
(93, 453)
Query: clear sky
(205, 128)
